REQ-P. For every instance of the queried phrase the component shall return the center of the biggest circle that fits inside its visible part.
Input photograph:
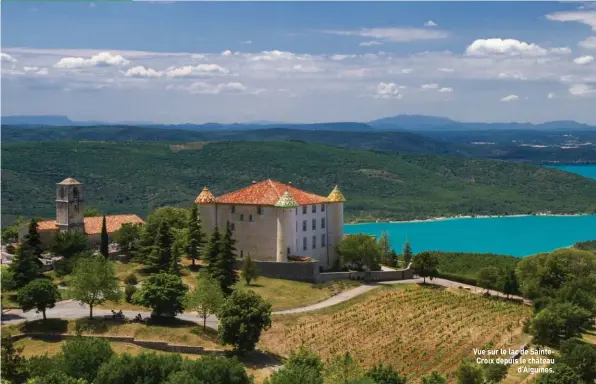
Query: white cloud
(512, 75)
(446, 70)
(510, 98)
(199, 57)
(30, 69)
(227, 52)
(210, 89)
(582, 60)
(43, 72)
(306, 68)
(584, 17)
(551, 95)
(430, 23)
(246, 42)
(400, 71)
(589, 43)
(445, 90)
(198, 70)
(342, 57)
(141, 71)
(430, 86)
(582, 90)
(388, 91)
(370, 43)
(99, 60)
(277, 55)
(393, 35)
(510, 47)
(6, 57)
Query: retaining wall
(401, 274)
(298, 271)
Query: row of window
(314, 225)
(313, 244)
(260, 210)
(313, 209)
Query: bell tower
(69, 205)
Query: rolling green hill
(139, 177)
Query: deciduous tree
(488, 278)
(39, 294)
(128, 237)
(360, 250)
(13, 365)
(342, 369)
(69, 244)
(434, 378)
(385, 374)
(162, 292)
(242, 318)
(83, 356)
(93, 282)
(469, 373)
(206, 299)
(561, 374)
(250, 271)
(302, 367)
(425, 264)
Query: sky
(196, 62)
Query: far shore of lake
(469, 217)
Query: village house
(272, 221)
(70, 199)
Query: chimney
(254, 182)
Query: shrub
(83, 357)
(129, 290)
(131, 279)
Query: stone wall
(298, 271)
(401, 274)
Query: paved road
(69, 309)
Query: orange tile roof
(93, 224)
(268, 192)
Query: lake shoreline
(432, 219)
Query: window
(304, 245)
(61, 192)
(251, 218)
(296, 228)
(241, 217)
(296, 210)
(314, 242)
(75, 193)
(304, 210)
(241, 253)
(288, 251)
(233, 209)
(322, 240)
(233, 227)
(314, 224)
(259, 210)
(303, 225)
(323, 222)
(322, 207)
(314, 208)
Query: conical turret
(286, 201)
(336, 196)
(205, 197)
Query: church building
(70, 199)
(273, 221)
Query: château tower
(69, 205)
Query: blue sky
(303, 61)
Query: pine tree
(175, 258)
(24, 267)
(212, 251)
(385, 246)
(161, 251)
(103, 245)
(225, 273)
(196, 239)
(33, 239)
(407, 253)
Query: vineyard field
(416, 329)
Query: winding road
(69, 309)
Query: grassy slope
(468, 264)
(139, 177)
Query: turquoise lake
(516, 236)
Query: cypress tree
(407, 253)
(175, 258)
(161, 251)
(103, 245)
(33, 239)
(212, 251)
(196, 238)
(24, 265)
(225, 273)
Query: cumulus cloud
(511, 75)
(446, 70)
(227, 52)
(210, 89)
(551, 95)
(370, 43)
(582, 60)
(589, 43)
(389, 91)
(7, 58)
(197, 70)
(30, 69)
(445, 90)
(510, 47)
(342, 57)
(393, 35)
(99, 60)
(584, 17)
(141, 71)
(510, 98)
(277, 55)
(430, 86)
(582, 90)
(430, 23)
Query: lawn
(417, 329)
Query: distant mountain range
(399, 122)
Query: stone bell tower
(69, 206)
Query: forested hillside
(138, 177)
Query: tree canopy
(361, 251)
